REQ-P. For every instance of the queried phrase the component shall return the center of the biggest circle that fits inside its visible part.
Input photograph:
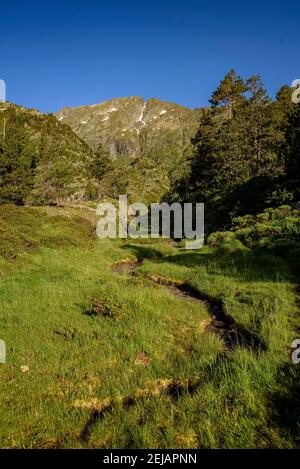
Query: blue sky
(67, 53)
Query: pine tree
(255, 87)
(16, 160)
(284, 101)
(230, 151)
(262, 139)
(292, 144)
(230, 92)
(100, 163)
(56, 177)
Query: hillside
(41, 160)
(146, 139)
(132, 126)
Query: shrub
(274, 228)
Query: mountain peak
(120, 123)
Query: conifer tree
(16, 160)
(100, 163)
(230, 92)
(292, 144)
(230, 151)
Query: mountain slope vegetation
(245, 154)
(146, 140)
(41, 160)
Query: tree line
(246, 153)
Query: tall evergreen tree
(262, 139)
(237, 139)
(255, 87)
(292, 144)
(284, 101)
(16, 160)
(100, 163)
(230, 92)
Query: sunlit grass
(80, 336)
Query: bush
(274, 228)
(219, 238)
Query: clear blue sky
(57, 53)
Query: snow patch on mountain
(141, 117)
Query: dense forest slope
(41, 160)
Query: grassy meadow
(98, 358)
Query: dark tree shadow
(241, 266)
(285, 403)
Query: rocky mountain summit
(132, 126)
(147, 141)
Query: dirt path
(221, 323)
(232, 333)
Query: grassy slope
(78, 362)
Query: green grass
(80, 338)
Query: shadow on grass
(144, 252)
(232, 333)
(285, 403)
(243, 266)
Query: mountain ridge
(119, 123)
(147, 140)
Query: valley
(142, 343)
(103, 356)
